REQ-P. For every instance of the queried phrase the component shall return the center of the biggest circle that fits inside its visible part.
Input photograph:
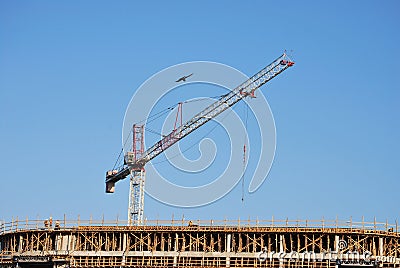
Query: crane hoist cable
(119, 160)
(246, 115)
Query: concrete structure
(272, 243)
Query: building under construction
(141, 243)
(272, 243)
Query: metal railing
(16, 224)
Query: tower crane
(135, 161)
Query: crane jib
(247, 88)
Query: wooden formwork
(199, 245)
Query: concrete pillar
(72, 243)
(21, 239)
(57, 244)
(124, 247)
(281, 241)
(228, 249)
(176, 249)
(62, 242)
(381, 246)
(65, 242)
(337, 243)
(124, 242)
(281, 248)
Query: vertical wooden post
(337, 223)
(351, 222)
(363, 222)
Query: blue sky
(68, 70)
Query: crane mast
(136, 160)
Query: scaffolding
(182, 243)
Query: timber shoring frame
(191, 245)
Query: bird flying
(183, 78)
